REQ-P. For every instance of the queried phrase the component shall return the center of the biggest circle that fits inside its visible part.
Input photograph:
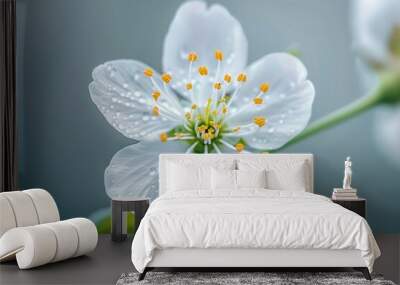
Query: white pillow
(182, 177)
(223, 179)
(288, 174)
(187, 173)
(251, 179)
(293, 179)
(227, 179)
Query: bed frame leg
(143, 274)
(364, 271)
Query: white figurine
(347, 174)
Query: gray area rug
(231, 278)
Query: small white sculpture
(347, 174)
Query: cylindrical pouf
(87, 233)
(67, 240)
(41, 244)
(7, 219)
(33, 246)
(23, 208)
(46, 207)
(26, 208)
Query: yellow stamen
(219, 55)
(224, 110)
(264, 87)
(156, 94)
(156, 111)
(163, 137)
(194, 106)
(227, 78)
(166, 77)
(203, 71)
(239, 147)
(223, 99)
(259, 121)
(236, 129)
(148, 72)
(217, 85)
(242, 77)
(192, 56)
(188, 115)
(258, 101)
(189, 86)
(214, 113)
(201, 129)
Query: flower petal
(133, 171)
(203, 30)
(387, 129)
(287, 105)
(373, 24)
(123, 95)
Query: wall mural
(205, 101)
(208, 101)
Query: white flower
(205, 101)
(376, 26)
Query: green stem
(343, 114)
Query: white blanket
(253, 218)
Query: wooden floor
(110, 260)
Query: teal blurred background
(65, 143)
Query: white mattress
(255, 257)
(252, 219)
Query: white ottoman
(31, 232)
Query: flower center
(204, 127)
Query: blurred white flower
(205, 101)
(376, 26)
(387, 128)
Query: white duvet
(250, 219)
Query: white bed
(249, 227)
